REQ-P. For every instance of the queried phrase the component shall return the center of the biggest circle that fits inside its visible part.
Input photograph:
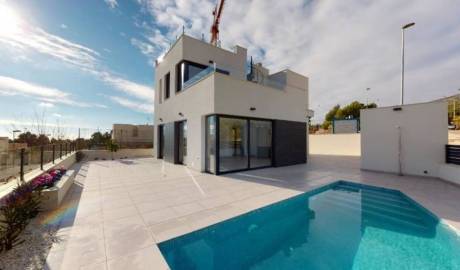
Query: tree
(350, 111)
(98, 138)
(330, 116)
(27, 137)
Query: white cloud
(47, 95)
(11, 86)
(112, 3)
(342, 46)
(26, 38)
(139, 91)
(63, 26)
(133, 105)
(46, 104)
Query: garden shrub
(21, 205)
(16, 210)
(79, 156)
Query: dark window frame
(179, 83)
(167, 85)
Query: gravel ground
(33, 252)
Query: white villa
(214, 114)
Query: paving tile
(188, 208)
(145, 259)
(123, 210)
(158, 216)
(170, 229)
(120, 212)
(95, 266)
(121, 244)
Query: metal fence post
(21, 172)
(53, 152)
(41, 157)
(60, 150)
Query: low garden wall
(52, 197)
(335, 144)
(121, 153)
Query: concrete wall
(125, 133)
(423, 129)
(3, 144)
(335, 144)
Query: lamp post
(14, 143)
(402, 60)
(367, 97)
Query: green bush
(16, 210)
(79, 156)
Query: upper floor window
(160, 92)
(135, 132)
(167, 85)
(186, 70)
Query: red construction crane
(217, 12)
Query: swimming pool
(340, 226)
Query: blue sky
(88, 64)
(94, 25)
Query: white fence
(335, 144)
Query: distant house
(127, 135)
(3, 144)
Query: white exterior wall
(193, 103)
(423, 137)
(236, 97)
(335, 144)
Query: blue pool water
(340, 226)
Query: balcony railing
(200, 75)
(453, 154)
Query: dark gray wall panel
(169, 146)
(290, 143)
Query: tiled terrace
(118, 210)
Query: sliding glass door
(233, 142)
(237, 143)
(260, 143)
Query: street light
(367, 97)
(14, 144)
(402, 60)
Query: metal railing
(200, 75)
(453, 154)
(14, 163)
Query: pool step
(400, 206)
(373, 214)
(373, 207)
(374, 193)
